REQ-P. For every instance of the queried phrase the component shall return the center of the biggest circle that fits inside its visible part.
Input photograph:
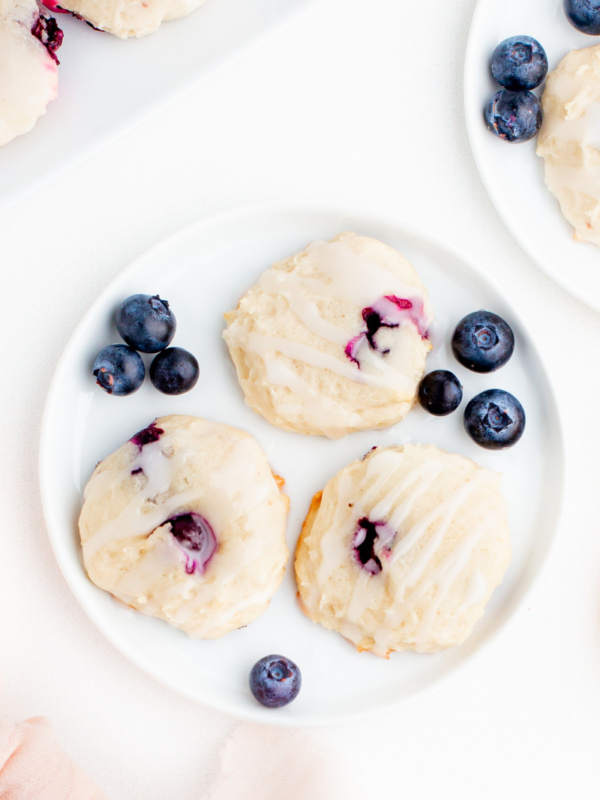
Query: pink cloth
(34, 767)
(263, 763)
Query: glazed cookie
(569, 143)
(125, 18)
(333, 339)
(402, 550)
(186, 522)
(28, 66)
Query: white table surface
(358, 102)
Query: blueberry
(584, 15)
(50, 35)
(495, 419)
(146, 436)
(519, 63)
(196, 538)
(514, 116)
(440, 392)
(483, 341)
(174, 371)
(146, 323)
(370, 543)
(275, 681)
(119, 370)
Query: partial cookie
(333, 339)
(125, 18)
(28, 66)
(186, 522)
(402, 550)
(569, 141)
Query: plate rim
(367, 214)
(116, 131)
(471, 65)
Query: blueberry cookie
(333, 339)
(125, 18)
(402, 550)
(568, 140)
(186, 522)
(28, 66)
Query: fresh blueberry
(584, 15)
(196, 538)
(440, 392)
(483, 341)
(174, 371)
(519, 63)
(119, 370)
(146, 323)
(514, 116)
(275, 681)
(495, 419)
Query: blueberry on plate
(584, 15)
(483, 341)
(519, 63)
(514, 116)
(440, 392)
(495, 419)
(119, 370)
(275, 681)
(174, 371)
(145, 322)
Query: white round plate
(202, 271)
(512, 173)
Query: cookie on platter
(186, 522)
(568, 140)
(333, 339)
(28, 66)
(125, 18)
(403, 549)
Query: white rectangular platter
(108, 85)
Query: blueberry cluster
(482, 342)
(147, 325)
(519, 64)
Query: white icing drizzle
(475, 591)
(424, 537)
(313, 405)
(232, 492)
(438, 583)
(159, 465)
(384, 376)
